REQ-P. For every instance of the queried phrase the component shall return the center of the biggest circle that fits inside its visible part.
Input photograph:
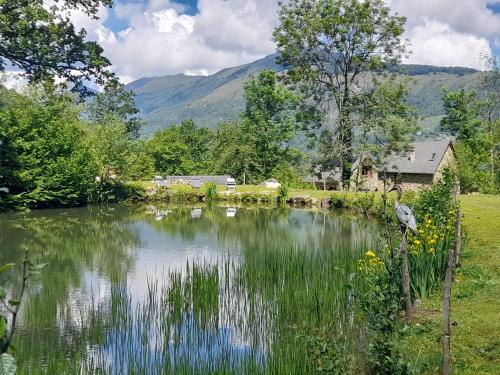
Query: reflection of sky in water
(167, 244)
(159, 252)
(191, 345)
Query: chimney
(411, 156)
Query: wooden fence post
(453, 259)
(405, 278)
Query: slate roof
(428, 157)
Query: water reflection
(106, 265)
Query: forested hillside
(211, 100)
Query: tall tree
(463, 115)
(41, 40)
(44, 161)
(181, 149)
(115, 103)
(233, 153)
(326, 45)
(491, 113)
(464, 119)
(388, 124)
(269, 119)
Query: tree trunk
(405, 278)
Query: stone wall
(447, 161)
(409, 181)
(415, 181)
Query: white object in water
(196, 213)
(231, 212)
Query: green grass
(475, 299)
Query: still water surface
(178, 289)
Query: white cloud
(237, 25)
(162, 40)
(449, 32)
(436, 43)
(465, 16)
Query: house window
(365, 171)
(433, 157)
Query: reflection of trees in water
(66, 318)
(81, 247)
(264, 227)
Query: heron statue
(404, 213)
(406, 222)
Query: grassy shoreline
(475, 299)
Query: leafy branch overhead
(42, 41)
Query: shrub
(286, 174)
(365, 201)
(282, 194)
(380, 301)
(210, 190)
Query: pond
(181, 289)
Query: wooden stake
(405, 279)
(452, 261)
(458, 230)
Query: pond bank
(365, 202)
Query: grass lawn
(475, 299)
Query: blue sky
(159, 37)
(117, 24)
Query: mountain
(210, 100)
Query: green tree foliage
(388, 123)
(141, 166)
(115, 103)
(491, 114)
(181, 149)
(51, 157)
(269, 121)
(42, 41)
(44, 161)
(109, 145)
(463, 118)
(326, 45)
(233, 153)
(475, 141)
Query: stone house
(418, 169)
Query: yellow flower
(432, 241)
(418, 242)
(429, 221)
(370, 253)
(432, 250)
